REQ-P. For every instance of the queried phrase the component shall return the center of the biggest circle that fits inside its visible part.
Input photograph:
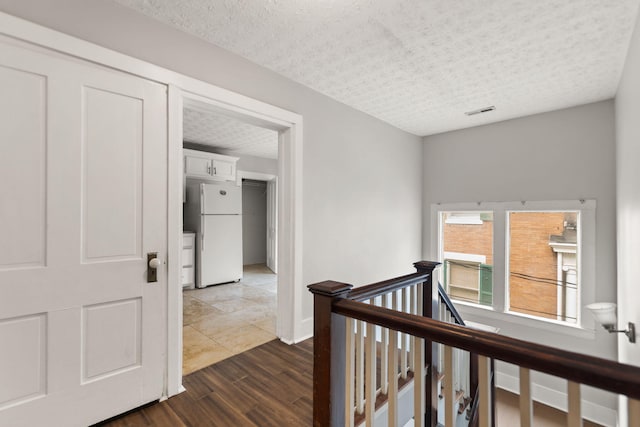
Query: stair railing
(335, 303)
(380, 362)
(462, 385)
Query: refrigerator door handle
(202, 233)
(203, 200)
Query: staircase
(400, 372)
(397, 351)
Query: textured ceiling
(229, 135)
(420, 64)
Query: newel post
(430, 303)
(328, 355)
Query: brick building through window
(541, 252)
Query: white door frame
(289, 126)
(290, 327)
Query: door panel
(86, 155)
(111, 338)
(25, 349)
(22, 168)
(112, 175)
(197, 166)
(222, 168)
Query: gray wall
(361, 177)
(561, 155)
(628, 195)
(254, 222)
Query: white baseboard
(557, 399)
(305, 331)
(302, 333)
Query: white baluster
(350, 372)
(456, 370)
(526, 403)
(466, 374)
(450, 411)
(384, 352)
(484, 391)
(412, 310)
(360, 367)
(370, 375)
(403, 339)
(392, 373)
(440, 359)
(418, 383)
(574, 416)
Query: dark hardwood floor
(270, 385)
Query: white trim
(557, 399)
(36, 34)
(174, 232)
(258, 176)
(289, 321)
(459, 256)
(201, 93)
(468, 218)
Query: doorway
(290, 326)
(287, 257)
(229, 304)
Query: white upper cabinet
(203, 165)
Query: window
(467, 239)
(523, 258)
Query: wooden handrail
(363, 293)
(328, 341)
(594, 371)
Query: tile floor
(223, 320)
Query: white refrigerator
(214, 212)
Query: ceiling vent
(480, 111)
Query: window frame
(584, 325)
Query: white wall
(258, 164)
(628, 196)
(562, 155)
(361, 179)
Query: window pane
(543, 254)
(467, 242)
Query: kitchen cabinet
(188, 259)
(209, 166)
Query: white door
(82, 201)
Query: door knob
(152, 267)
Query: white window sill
(491, 317)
